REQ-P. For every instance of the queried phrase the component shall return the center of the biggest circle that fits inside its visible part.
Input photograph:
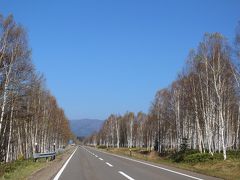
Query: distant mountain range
(85, 127)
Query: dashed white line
(158, 167)
(101, 159)
(96, 156)
(125, 175)
(109, 164)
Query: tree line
(29, 114)
(201, 107)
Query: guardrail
(50, 155)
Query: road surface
(90, 164)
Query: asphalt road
(90, 164)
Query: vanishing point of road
(90, 164)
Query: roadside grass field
(20, 169)
(216, 167)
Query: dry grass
(22, 169)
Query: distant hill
(85, 127)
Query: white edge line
(109, 164)
(165, 169)
(64, 166)
(125, 175)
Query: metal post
(36, 147)
(54, 150)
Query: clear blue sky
(101, 57)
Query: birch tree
(29, 114)
(202, 105)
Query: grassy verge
(20, 169)
(229, 169)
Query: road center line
(109, 164)
(64, 166)
(125, 175)
(162, 168)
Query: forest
(30, 117)
(200, 108)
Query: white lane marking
(101, 159)
(125, 175)
(90, 152)
(109, 164)
(64, 166)
(162, 168)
